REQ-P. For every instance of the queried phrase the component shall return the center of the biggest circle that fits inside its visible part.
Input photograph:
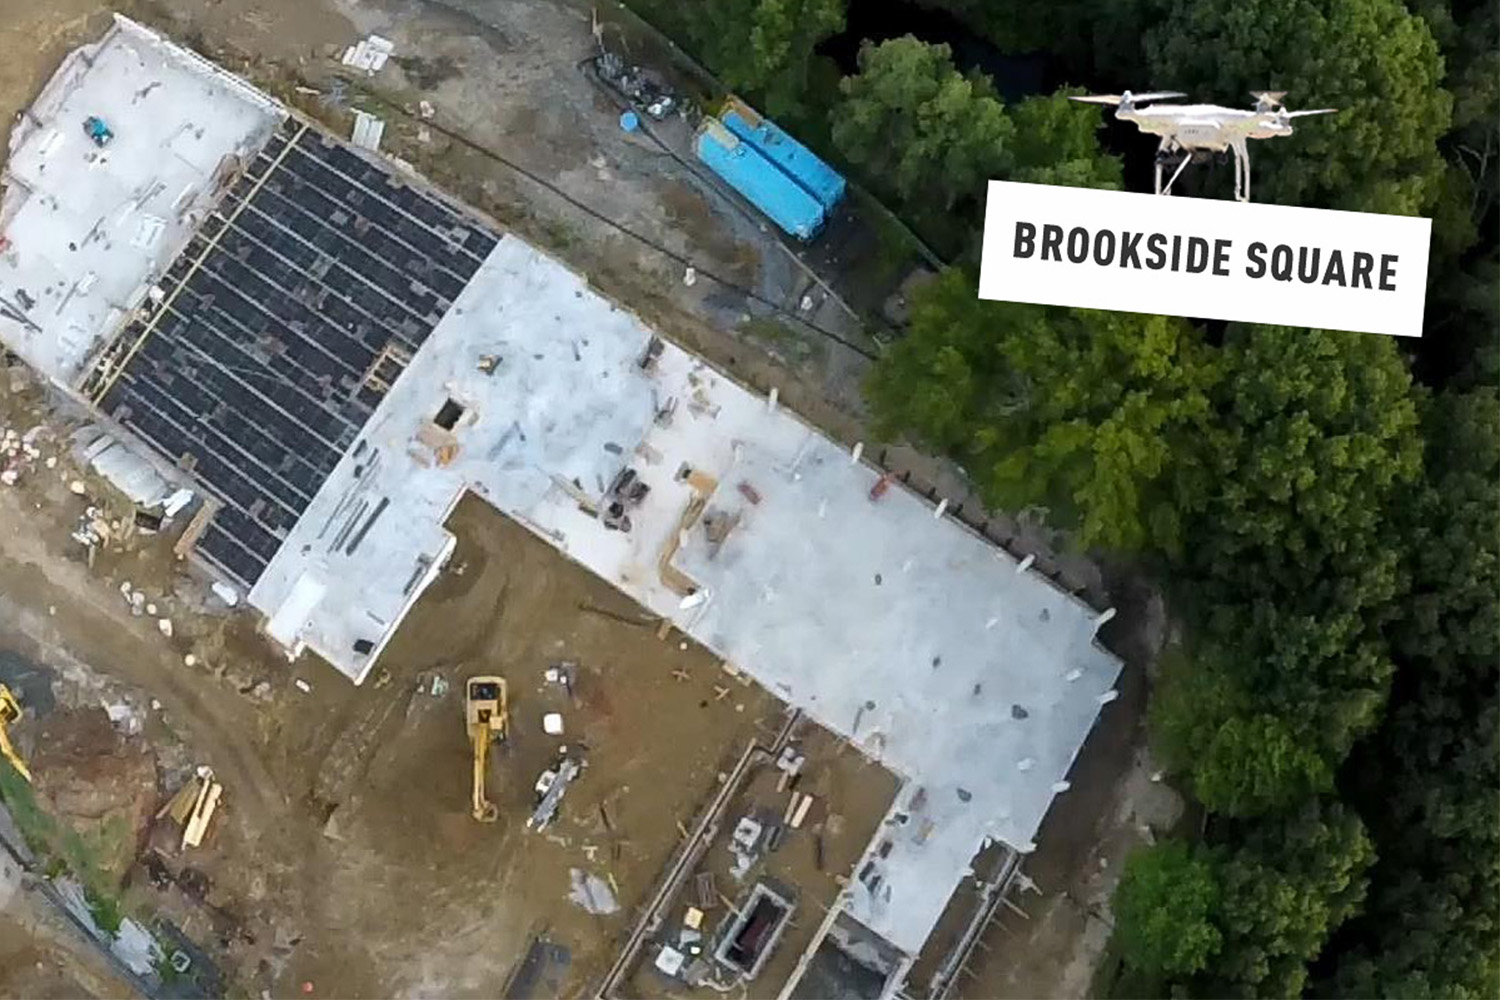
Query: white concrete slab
(88, 229)
(906, 633)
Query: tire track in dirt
(92, 625)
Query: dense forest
(1320, 507)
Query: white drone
(1188, 129)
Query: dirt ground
(40, 960)
(442, 905)
(851, 796)
(643, 713)
(344, 856)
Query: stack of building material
(370, 54)
(193, 806)
(367, 131)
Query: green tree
(765, 48)
(1315, 433)
(1164, 910)
(1056, 144)
(1288, 569)
(1286, 888)
(919, 131)
(1255, 763)
(1469, 35)
(1372, 59)
(1257, 742)
(1081, 411)
(1427, 778)
(1245, 914)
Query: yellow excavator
(487, 717)
(10, 711)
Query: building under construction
(335, 354)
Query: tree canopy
(1244, 921)
(1165, 910)
(1316, 433)
(1056, 142)
(1373, 60)
(765, 47)
(1427, 779)
(920, 131)
(1074, 410)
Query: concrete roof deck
(906, 633)
(90, 228)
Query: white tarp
(130, 473)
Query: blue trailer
(762, 183)
(796, 160)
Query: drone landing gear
(1179, 158)
(1167, 157)
(1181, 165)
(1241, 171)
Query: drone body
(1188, 129)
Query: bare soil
(851, 796)
(40, 960)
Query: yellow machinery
(487, 717)
(10, 711)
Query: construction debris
(126, 469)
(643, 88)
(203, 813)
(801, 813)
(592, 893)
(706, 889)
(173, 505)
(370, 55)
(669, 960)
(367, 131)
(790, 762)
(550, 787)
(193, 806)
(562, 674)
(743, 843)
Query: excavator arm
(484, 810)
(487, 717)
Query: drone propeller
(1116, 99)
(1316, 111)
(1271, 96)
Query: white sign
(1205, 259)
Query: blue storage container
(785, 201)
(800, 163)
